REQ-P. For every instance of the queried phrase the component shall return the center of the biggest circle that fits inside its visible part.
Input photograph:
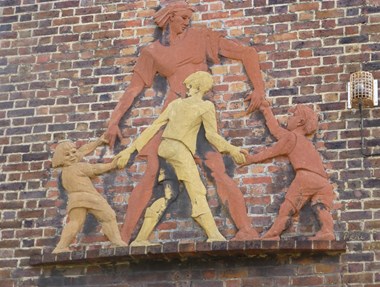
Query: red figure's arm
(283, 147)
(286, 139)
(136, 86)
(250, 60)
(271, 122)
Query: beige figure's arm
(250, 60)
(90, 147)
(209, 123)
(101, 168)
(143, 139)
(135, 87)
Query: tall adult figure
(181, 51)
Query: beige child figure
(311, 181)
(83, 198)
(183, 118)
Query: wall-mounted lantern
(362, 92)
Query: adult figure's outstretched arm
(134, 89)
(250, 59)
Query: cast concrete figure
(182, 51)
(83, 197)
(183, 118)
(311, 181)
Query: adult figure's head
(173, 18)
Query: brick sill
(177, 250)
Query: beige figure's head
(304, 119)
(198, 84)
(65, 154)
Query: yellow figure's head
(198, 83)
(65, 154)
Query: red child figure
(311, 181)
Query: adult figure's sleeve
(212, 44)
(146, 67)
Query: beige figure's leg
(77, 216)
(107, 219)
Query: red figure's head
(303, 119)
(176, 13)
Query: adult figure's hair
(162, 16)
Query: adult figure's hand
(250, 59)
(113, 132)
(255, 100)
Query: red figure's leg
(280, 223)
(142, 193)
(326, 221)
(230, 196)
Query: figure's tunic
(76, 179)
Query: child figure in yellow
(83, 197)
(183, 118)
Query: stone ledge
(176, 250)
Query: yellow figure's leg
(152, 215)
(201, 210)
(181, 159)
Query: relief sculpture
(181, 55)
(83, 197)
(183, 118)
(311, 181)
(181, 51)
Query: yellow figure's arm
(144, 138)
(223, 146)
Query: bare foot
(246, 235)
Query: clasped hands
(240, 156)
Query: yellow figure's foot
(323, 236)
(60, 250)
(144, 243)
(218, 238)
(119, 244)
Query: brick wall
(65, 64)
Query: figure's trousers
(143, 191)
(226, 188)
